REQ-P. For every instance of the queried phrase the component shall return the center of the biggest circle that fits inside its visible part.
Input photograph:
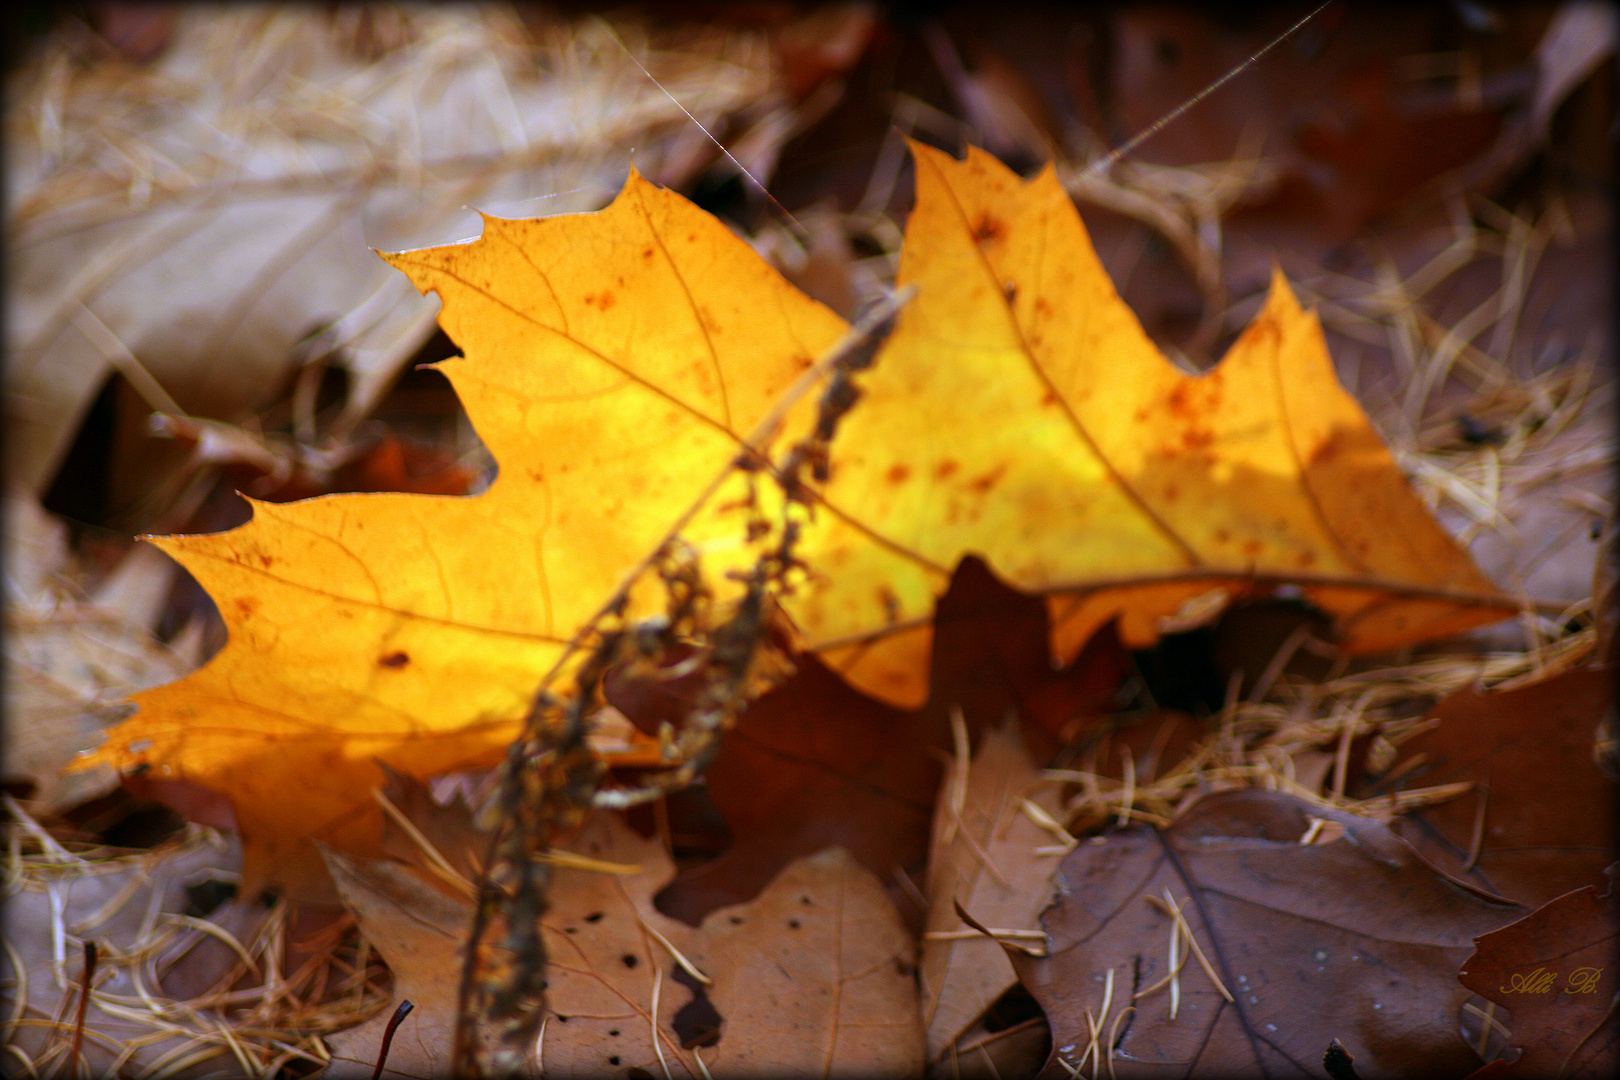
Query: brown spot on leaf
(646, 253)
(606, 300)
(246, 606)
(396, 659)
(266, 561)
(987, 229)
(890, 602)
(1252, 548)
(897, 474)
(945, 468)
(1180, 407)
(983, 484)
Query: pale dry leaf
(203, 223)
(419, 929)
(814, 975)
(70, 660)
(986, 859)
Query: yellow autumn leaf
(614, 364)
(1020, 413)
(614, 361)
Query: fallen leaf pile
(1017, 412)
(1024, 490)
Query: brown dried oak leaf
(813, 976)
(1357, 939)
(1540, 821)
(985, 858)
(1554, 971)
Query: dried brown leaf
(1554, 972)
(1521, 747)
(813, 975)
(1353, 939)
(985, 858)
(815, 763)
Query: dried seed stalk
(551, 779)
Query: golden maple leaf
(614, 364)
(1020, 413)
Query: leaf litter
(1510, 744)
(1234, 748)
(1553, 973)
(870, 770)
(812, 976)
(239, 989)
(1295, 944)
(1161, 496)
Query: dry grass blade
(1271, 743)
(115, 1016)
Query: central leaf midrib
(1080, 430)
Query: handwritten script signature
(1540, 981)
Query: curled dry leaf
(1554, 972)
(70, 659)
(985, 857)
(814, 976)
(265, 150)
(1518, 746)
(1357, 939)
(616, 361)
